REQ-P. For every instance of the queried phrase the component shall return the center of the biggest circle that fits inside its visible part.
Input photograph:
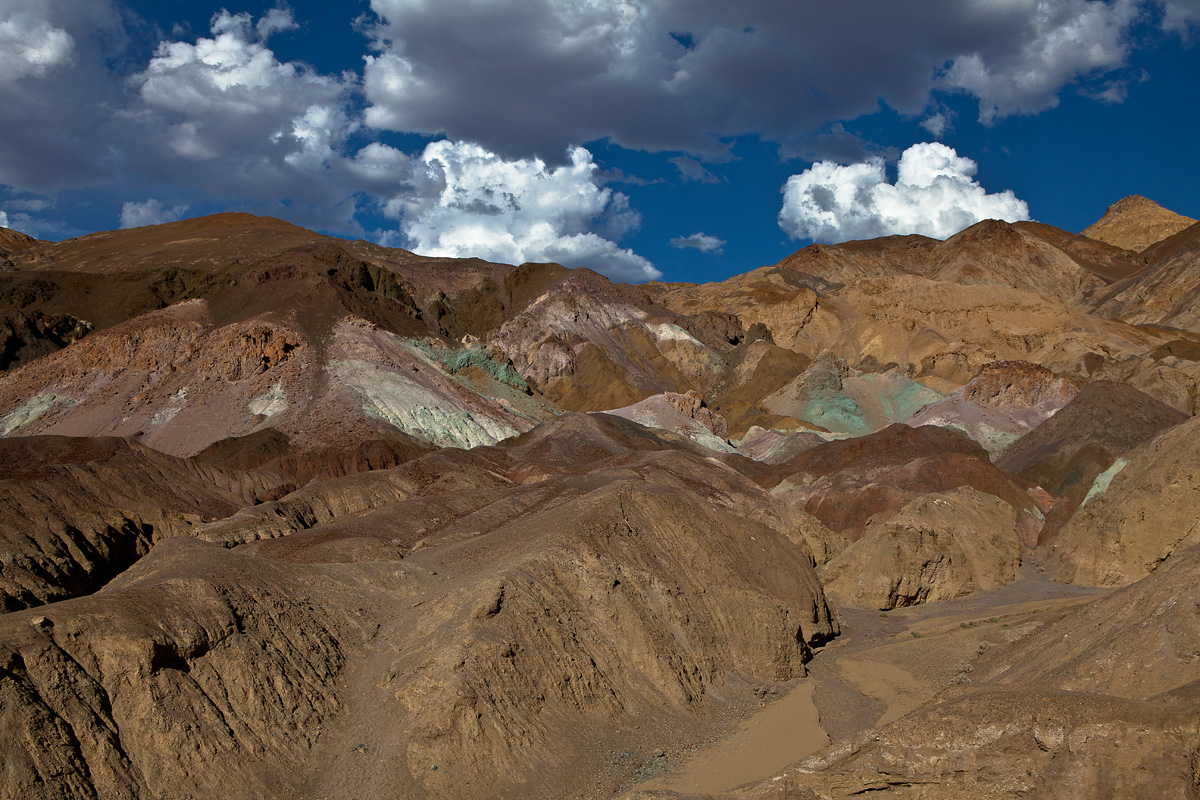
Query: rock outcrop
(494, 627)
(1002, 403)
(1137, 643)
(1149, 510)
(1006, 744)
(684, 413)
(24, 337)
(938, 547)
(79, 512)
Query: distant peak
(236, 218)
(1135, 223)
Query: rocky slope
(1095, 701)
(1103, 422)
(1165, 292)
(1007, 744)
(78, 512)
(13, 242)
(536, 620)
(1138, 514)
(1135, 223)
(849, 483)
(295, 516)
(332, 366)
(1002, 403)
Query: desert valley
(287, 515)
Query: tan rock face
(1136, 223)
(1016, 255)
(203, 653)
(1150, 510)
(1136, 643)
(1018, 384)
(938, 547)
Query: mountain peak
(1135, 223)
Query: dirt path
(884, 665)
(784, 731)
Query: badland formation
(291, 516)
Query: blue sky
(638, 138)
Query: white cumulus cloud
(224, 114)
(30, 46)
(699, 241)
(935, 194)
(1071, 39)
(464, 200)
(230, 91)
(4, 219)
(150, 212)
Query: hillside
(294, 516)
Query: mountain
(290, 515)
(1135, 223)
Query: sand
(784, 731)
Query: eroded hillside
(291, 516)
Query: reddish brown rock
(1105, 420)
(845, 483)
(692, 405)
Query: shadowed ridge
(80, 511)
(1146, 510)
(577, 442)
(1107, 419)
(1165, 293)
(894, 445)
(1107, 261)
